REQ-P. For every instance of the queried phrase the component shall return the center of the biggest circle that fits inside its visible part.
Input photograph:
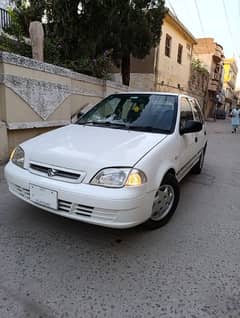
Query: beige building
(230, 77)
(173, 56)
(211, 55)
(168, 66)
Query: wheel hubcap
(163, 202)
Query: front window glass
(196, 111)
(186, 112)
(145, 112)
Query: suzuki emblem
(51, 172)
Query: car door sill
(188, 166)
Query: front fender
(158, 162)
(156, 171)
(160, 173)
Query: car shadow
(58, 225)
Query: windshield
(145, 112)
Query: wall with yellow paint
(230, 72)
(171, 74)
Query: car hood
(90, 148)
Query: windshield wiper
(103, 123)
(128, 127)
(148, 129)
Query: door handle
(196, 139)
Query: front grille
(39, 168)
(64, 206)
(53, 173)
(86, 211)
(83, 210)
(25, 193)
(79, 209)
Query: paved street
(53, 267)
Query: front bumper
(115, 208)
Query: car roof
(152, 93)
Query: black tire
(197, 169)
(171, 180)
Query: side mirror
(80, 112)
(191, 126)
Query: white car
(119, 166)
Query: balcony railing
(218, 53)
(5, 19)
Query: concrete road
(52, 267)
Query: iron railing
(5, 19)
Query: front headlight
(119, 177)
(17, 157)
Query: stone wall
(138, 81)
(36, 97)
(198, 87)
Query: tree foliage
(128, 27)
(82, 34)
(198, 66)
(23, 13)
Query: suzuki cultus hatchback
(119, 166)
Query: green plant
(14, 38)
(16, 28)
(90, 27)
(198, 66)
(14, 45)
(22, 14)
(100, 66)
(52, 51)
(79, 33)
(128, 27)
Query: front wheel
(165, 203)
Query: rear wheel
(165, 202)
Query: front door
(187, 141)
(200, 137)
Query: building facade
(167, 67)
(211, 55)
(173, 56)
(230, 77)
(198, 83)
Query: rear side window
(186, 112)
(197, 113)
